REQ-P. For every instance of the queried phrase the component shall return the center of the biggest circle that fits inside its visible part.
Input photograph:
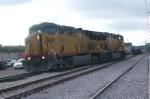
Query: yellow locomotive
(49, 45)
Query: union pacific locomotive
(50, 45)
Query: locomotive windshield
(120, 38)
(34, 30)
(50, 30)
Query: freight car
(50, 45)
(136, 51)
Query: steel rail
(17, 77)
(110, 83)
(23, 75)
(48, 78)
(41, 87)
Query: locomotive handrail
(49, 48)
(25, 51)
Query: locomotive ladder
(50, 49)
(25, 51)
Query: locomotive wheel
(58, 66)
(67, 63)
(64, 66)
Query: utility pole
(145, 47)
(118, 40)
(19, 42)
(127, 40)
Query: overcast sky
(126, 16)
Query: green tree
(0, 48)
(11, 49)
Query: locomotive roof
(88, 32)
(43, 24)
(94, 33)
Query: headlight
(29, 58)
(43, 57)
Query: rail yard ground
(10, 72)
(132, 85)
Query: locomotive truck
(50, 45)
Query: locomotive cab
(40, 45)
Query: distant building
(128, 48)
(128, 44)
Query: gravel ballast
(36, 77)
(85, 86)
(11, 72)
(132, 85)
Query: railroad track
(17, 77)
(24, 75)
(97, 94)
(25, 89)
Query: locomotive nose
(38, 64)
